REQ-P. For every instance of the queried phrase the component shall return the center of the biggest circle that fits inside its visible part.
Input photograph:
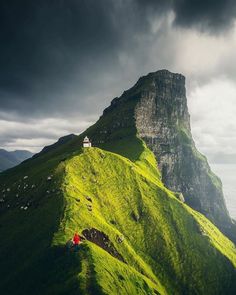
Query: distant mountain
(11, 159)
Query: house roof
(86, 139)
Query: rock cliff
(156, 109)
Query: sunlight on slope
(162, 240)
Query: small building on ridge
(87, 142)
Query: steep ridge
(158, 230)
(142, 239)
(156, 110)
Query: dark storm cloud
(213, 15)
(56, 54)
(46, 45)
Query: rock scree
(102, 240)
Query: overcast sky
(61, 63)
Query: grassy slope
(165, 250)
(167, 244)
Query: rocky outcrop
(156, 109)
(102, 240)
(163, 122)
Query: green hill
(140, 238)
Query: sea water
(227, 174)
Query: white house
(87, 142)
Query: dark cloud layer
(209, 14)
(54, 53)
(213, 15)
(46, 45)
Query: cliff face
(163, 122)
(157, 108)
